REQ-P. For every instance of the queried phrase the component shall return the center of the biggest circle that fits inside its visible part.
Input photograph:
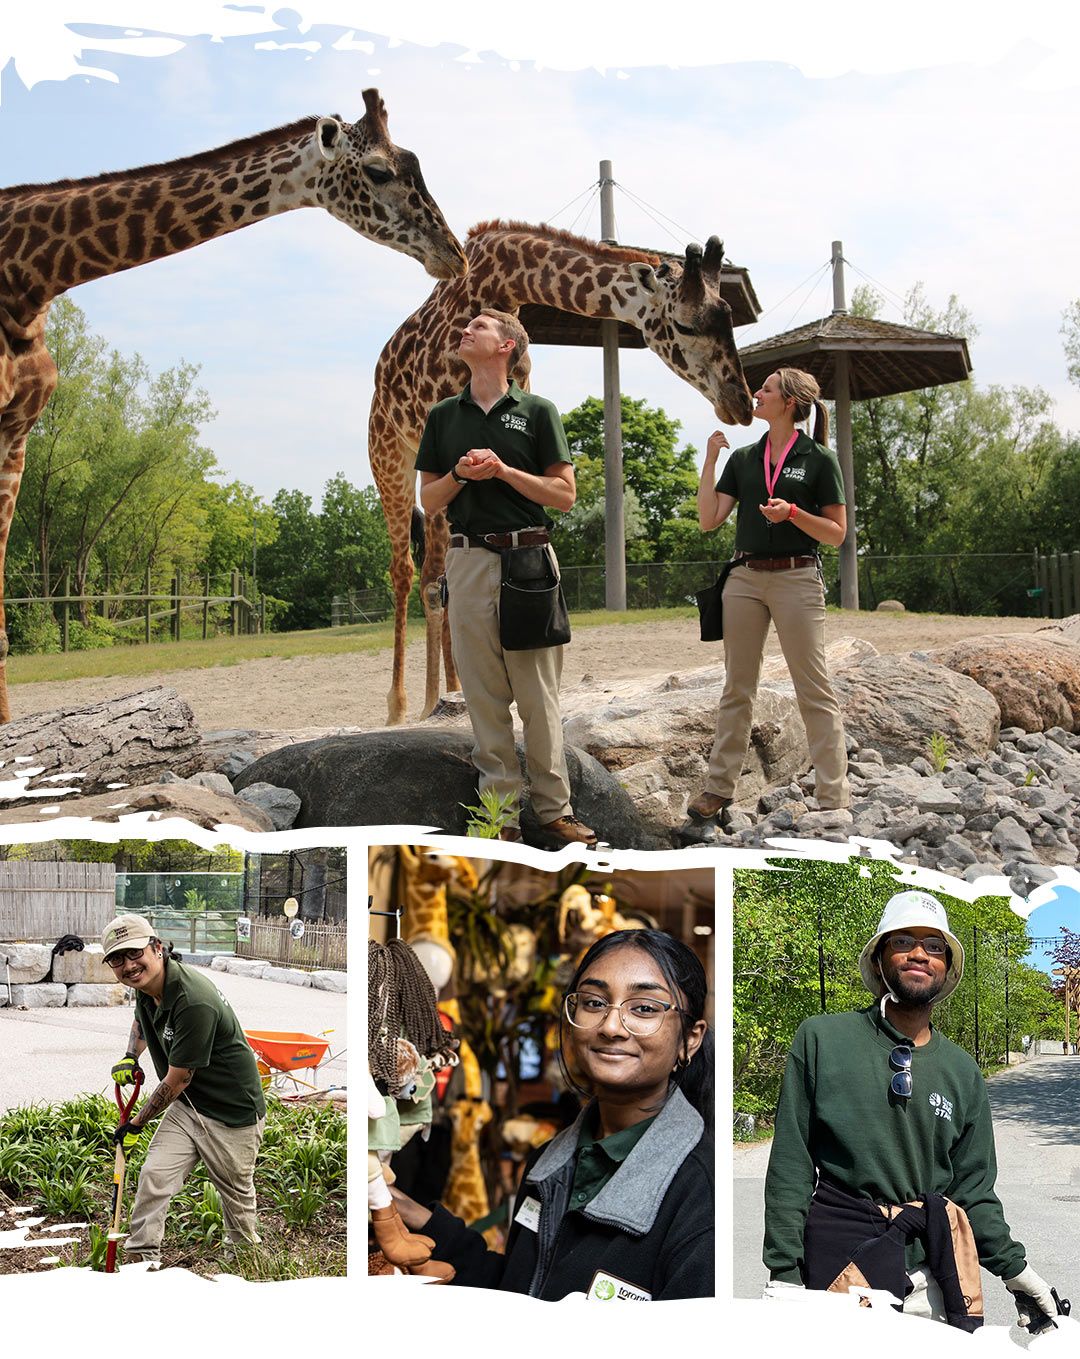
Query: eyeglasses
(640, 1015)
(125, 955)
(933, 945)
(900, 1061)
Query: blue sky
(956, 174)
(1047, 919)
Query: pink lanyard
(770, 482)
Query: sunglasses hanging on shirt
(900, 1061)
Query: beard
(909, 993)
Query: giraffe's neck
(550, 272)
(57, 236)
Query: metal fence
(319, 947)
(42, 901)
(195, 931)
(361, 606)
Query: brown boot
(512, 834)
(397, 1243)
(708, 807)
(436, 1270)
(570, 831)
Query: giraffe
(677, 307)
(466, 1192)
(427, 875)
(56, 236)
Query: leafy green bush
(95, 633)
(32, 629)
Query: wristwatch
(461, 481)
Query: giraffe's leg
(401, 576)
(436, 536)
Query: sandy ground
(350, 690)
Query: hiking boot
(570, 831)
(709, 807)
(511, 834)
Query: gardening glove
(127, 1136)
(1028, 1283)
(123, 1073)
(780, 1289)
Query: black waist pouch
(710, 603)
(532, 609)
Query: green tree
(355, 543)
(1070, 333)
(293, 567)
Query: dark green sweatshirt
(837, 1115)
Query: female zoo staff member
(791, 498)
(620, 1205)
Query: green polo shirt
(598, 1158)
(810, 478)
(524, 430)
(195, 1027)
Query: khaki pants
(492, 679)
(181, 1138)
(795, 601)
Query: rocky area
(33, 977)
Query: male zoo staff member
(882, 1168)
(493, 457)
(209, 1092)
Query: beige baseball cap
(126, 931)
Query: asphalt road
(58, 1054)
(1037, 1131)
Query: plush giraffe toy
(55, 236)
(466, 1190)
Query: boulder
(896, 703)
(163, 801)
(1035, 679)
(421, 776)
(330, 981)
(40, 995)
(293, 976)
(87, 994)
(217, 783)
(890, 606)
(246, 967)
(25, 962)
(281, 805)
(83, 966)
(220, 963)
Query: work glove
(123, 1073)
(127, 1136)
(1028, 1282)
(780, 1289)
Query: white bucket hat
(904, 911)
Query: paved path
(1037, 1131)
(58, 1054)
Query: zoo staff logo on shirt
(609, 1288)
(167, 1033)
(941, 1106)
(517, 423)
(794, 473)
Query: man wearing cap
(493, 457)
(882, 1167)
(209, 1099)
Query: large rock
(330, 981)
(293, 976)
(83, 966)
(42, 995)
(1035, 679)
(85, 994)
(896, 703)
(246, 967)
(181, 800)
(25, 962)
(281, 805)
(422, 777)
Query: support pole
(614, 521)
(849, 562)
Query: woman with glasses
(620, 1204)
(882, 1165)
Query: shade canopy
(548, 325)
(883, 358)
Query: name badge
(529, 1215)
(608, 1288)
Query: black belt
(519, 538)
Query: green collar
(616, 1146)
(513, 393)
(890, 1036)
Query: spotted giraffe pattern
(676, 306)
(56, 236)
(466, 1192)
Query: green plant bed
(57, 1159)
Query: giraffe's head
(377, 188)
(688, 324)
(469, 1117)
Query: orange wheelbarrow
(280, 1056)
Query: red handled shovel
(119, 1166)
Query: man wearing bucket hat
(209, 1098)
(882, 1167)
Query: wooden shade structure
(855, 358)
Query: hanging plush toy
(407, 1045)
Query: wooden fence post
(206, 608)
(146, 626)
(234, 608)
(65, 607)
(176, 606)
